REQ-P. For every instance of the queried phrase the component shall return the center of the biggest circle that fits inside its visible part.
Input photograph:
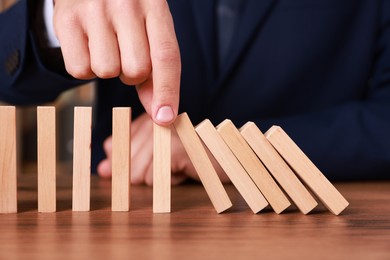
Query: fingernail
(165, 114)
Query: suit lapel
(254, 14)
(204, 13)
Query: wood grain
(199, 158)
(275, 164)
(194, 230)
(255, 169)
(121, 158)
(46, 124)
(82, 158)
(8, 178)
(285, 177)
(231, 166)
(161, 169)
(306, 170)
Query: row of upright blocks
(267, 169)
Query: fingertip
(165, 115)
(178, 179)
(107, 144)
(104, 169)
(136, 179)
(149, 182)
(149, 178)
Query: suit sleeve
(350, 141)
(25, 77)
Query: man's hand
(132, 39)
(142, 156)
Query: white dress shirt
(48, 19)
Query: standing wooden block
(161, 169)
(253, 166)
(121, 158)
(82, 159)
(198, 156)
(46, 159)
(231, 166)
(8, 187)
(278, 168)
(306, 170)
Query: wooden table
(193, 230)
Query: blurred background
(27, 122)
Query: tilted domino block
(306, 170)
(253, 166)
(198, 155)
(281, 172)
(231, 166)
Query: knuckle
(159, 5)
(138, 73)
(81, 71)
(106, 71)
(125, 4)
(95, 8)
(65, 18)
(167, 52)
(167, 90)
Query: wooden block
(82, 159)
(8, 186)
(278, 168)
(306, 170)
(121, 158)
(161, 169)
(198, 156)
(231, 166)
(46, 159)
(255, 169)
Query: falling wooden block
(231, 166)
(82, 159)
(278, 167)
(198, 156)
(161, 169)
(254, 168)
(306, 170)
(46, 123)
(121, 158)
(8, 186)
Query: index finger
(166, 64)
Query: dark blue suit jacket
(320, 69)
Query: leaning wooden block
(198, 156)
(231, 166)
(278, 167)
(161, 169)
(8, 187)
(306, 170)
(82, 159)
(46, 123)
(254, 168)
(121, 159)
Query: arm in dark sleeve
(350, 141)
(29, 74)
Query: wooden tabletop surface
(194, 230)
